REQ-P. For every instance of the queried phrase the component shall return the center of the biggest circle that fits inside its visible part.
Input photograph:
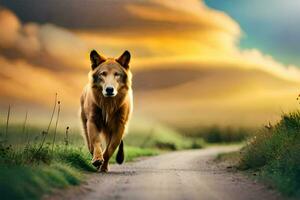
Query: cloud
(45, 44)
(173, 31)
(24, 82)
(192, 14)
(9, 34)
(254, 59)
(37, 61)
(214, 38)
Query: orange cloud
(22, 81)
(32, 41)
(188, 31)
(9, 34)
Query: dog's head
(109, 74)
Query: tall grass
(56, 123)
(275, 152)
(25, 123)
(7, 122)
(45, 133)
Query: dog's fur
(105, 115)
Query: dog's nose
(109, 90)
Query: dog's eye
(95, 78)
(103, 73)
(117, 74)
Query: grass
(36, 160)
(155, 135)
(29, 169)
(275, 153)
(217, 134)
(28, 174)
(31, 182)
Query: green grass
(27, 173)
(157, 136)
(29, 170)
(217, 134)
(275, 153)
(31, 182)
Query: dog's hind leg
(120, 155)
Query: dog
(106, 107)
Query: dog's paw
(97, 163)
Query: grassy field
(273, 153)
(29, 172)
(35, 160)
(31, 167)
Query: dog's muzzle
(109, 92)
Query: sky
(194, 62)
(269, 25)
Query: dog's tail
(120, 155)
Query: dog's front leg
(113, 143)
(95, 143)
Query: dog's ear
(96, 59)
(124, 59)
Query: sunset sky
(194, 62)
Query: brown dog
(106, 105)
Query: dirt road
(179, 175)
